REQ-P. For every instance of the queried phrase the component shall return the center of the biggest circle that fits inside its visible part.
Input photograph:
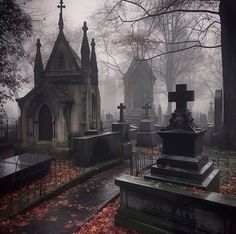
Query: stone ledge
(153, 207)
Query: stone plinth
(182, 143)
(147, 136)
(123, 129)
(156, 207)
(183, 163)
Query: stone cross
(147, 107)
(121, 107)
(181, 97)
(61, 6)
(60, 23)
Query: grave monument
(147, 135)
(165, 201)
(65, 100)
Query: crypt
(65, 100)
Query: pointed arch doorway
(45, 124)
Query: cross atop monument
(121, 107)
(147, 107)
(181, 97)
(61, 6)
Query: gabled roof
(45, 88)
(63, 51)
(139, 67)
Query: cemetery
(123, 123)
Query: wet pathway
(71, 209)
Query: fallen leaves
(61, 171)
(103, 222)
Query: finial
(93, 43)
(85, 28)
(60, 23)
(38, 44)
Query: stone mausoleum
(65, 100)
(139, 83)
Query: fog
(45, 21)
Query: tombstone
(218, 119)
(156, 203)
(147, 135)
(107, 123)
(159, 114)
(211, 113)
(203, 120)
(123, 128)
(166, 120)
(182, 144)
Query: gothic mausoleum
(139, 83)
(65, 100)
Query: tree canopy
(15, 27)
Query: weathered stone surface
(123, 129)
(147, 139)
(89, 150)
(20, 169)
(156, 207)
(146, 125)
(187, 144)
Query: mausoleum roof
(139, 67)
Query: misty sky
(75, 13)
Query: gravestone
(182, 149)
(203, 120)
(147, 135)
(166, 120)
(123, 128)
(164, 201)
(218, 119)
(211, 113)
(107, 123)
(159, 114)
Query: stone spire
(93, 60)
(38, 65)
(85, 50)
(61, 23)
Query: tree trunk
(228, 40)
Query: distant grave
(21, 169)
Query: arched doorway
(45, 124)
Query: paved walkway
(70, 210)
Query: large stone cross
(147, 107)
(181, 97)
(121, 107)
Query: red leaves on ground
(60, 172)
(103, 222)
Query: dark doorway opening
(45, 124)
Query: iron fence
(61, 171)
(142, 158)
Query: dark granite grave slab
(182, 143)
(157, 207)
(21, 169)
(89, 150)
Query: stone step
(183, 162)
(183, 173)
(211, 180)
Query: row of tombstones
(213, 119)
